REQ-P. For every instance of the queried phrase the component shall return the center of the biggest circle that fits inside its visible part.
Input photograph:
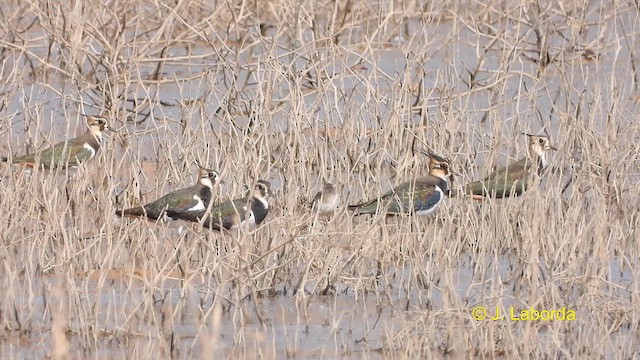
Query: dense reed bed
(297, 93)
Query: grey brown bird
(515, 178)
(421, 196)
(326, 201)
(247, 212)
(69, 153)
(180, 202)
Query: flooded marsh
(299, 93)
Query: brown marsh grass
(294, 93)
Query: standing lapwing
(421, 196)
(180, 202)
(515, 178)
(68, 153)
(247, 212)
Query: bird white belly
(328, 206)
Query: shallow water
(345, 324)
(200, 316)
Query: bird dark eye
(541, 141)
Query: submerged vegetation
(299, 93)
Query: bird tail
(22, 160)
(132, 212)
(213, 226)
(474, 190)
(359, 209)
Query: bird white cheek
(206, 182)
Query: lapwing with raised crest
(421, 196)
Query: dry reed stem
(297, 93)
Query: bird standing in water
(517, 177)
(326, 201)
(421, 196)
(247, 212)
(69, 153)
(180, 202)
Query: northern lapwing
(421, 196)
(515, 178)
(68, 153)
(247, 212)
(326, 201)
(180, 202)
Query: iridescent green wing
(415, 196)
(506, 181)
(71, 151)
(179, 201)
(227, 214)
(224, 215)
(405, 198)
